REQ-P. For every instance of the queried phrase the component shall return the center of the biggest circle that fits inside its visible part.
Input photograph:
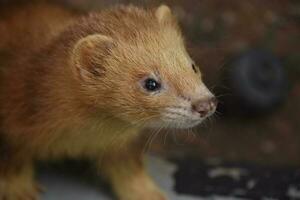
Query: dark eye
(152, 85)
(194, 68)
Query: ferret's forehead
(163, 47)
(160, 54)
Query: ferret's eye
(151, 85)
(194, 68)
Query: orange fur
(74, 89)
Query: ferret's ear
(164, 14)
(88, 55)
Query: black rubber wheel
(256, 82)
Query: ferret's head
(136, 68)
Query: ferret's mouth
(189, 114)
(183, 125)
(180, 118)
(181, 121)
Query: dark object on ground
(255, 83)
(237, 180)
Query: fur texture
(75, 88)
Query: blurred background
(217, 33)
(249, 54)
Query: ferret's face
(160, 85)
(149, 79)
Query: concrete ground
(60, 186)
(195, 180)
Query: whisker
(175, 138)
(194, 134)
(223, 95)
(148, 141)
(166, 136)
(153, 138)
(188, 135)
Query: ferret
(86, 86)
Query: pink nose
(205, 106)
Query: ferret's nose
(205, 107)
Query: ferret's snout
(205, 107)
